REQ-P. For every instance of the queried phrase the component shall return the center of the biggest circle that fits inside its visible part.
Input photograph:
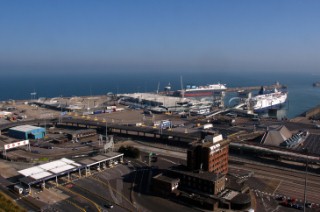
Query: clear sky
(153, 35)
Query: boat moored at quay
(200, 91)
(268, 100)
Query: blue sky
(163, 35)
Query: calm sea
(302, 96)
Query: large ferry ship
(200, 91)
(271, 100)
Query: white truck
(18, 189)
(207, 126)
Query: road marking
(170, 161)
(264, 204)
(277, 187)
(119, 188)
(276, 209)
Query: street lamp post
(305, 181)
(107, 133)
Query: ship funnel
(261, 91)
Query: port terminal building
(27, 132)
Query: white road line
(277, 187)
(119, 188)
(170, 161)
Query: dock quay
(253, 88)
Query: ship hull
(198, 93)
(202, 91)
(265, 109)
(269, 101)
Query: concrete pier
(252, 88)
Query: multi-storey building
(210, 155)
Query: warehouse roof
(25, 128)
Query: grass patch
(44, 159)
(7, 204)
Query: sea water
(301, 94)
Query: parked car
(108, 205)
(297, 206)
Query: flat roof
(101, 158)
(62, 169)
(58, 167)
(87, 162)
(230, 195)
(52, 165)
(25, 128)
(40, 175)
(113, 154)
(31, 171)
(48, 170)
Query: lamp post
(107, 133)
(305, 180)
(60, 116)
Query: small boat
(316, 84)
